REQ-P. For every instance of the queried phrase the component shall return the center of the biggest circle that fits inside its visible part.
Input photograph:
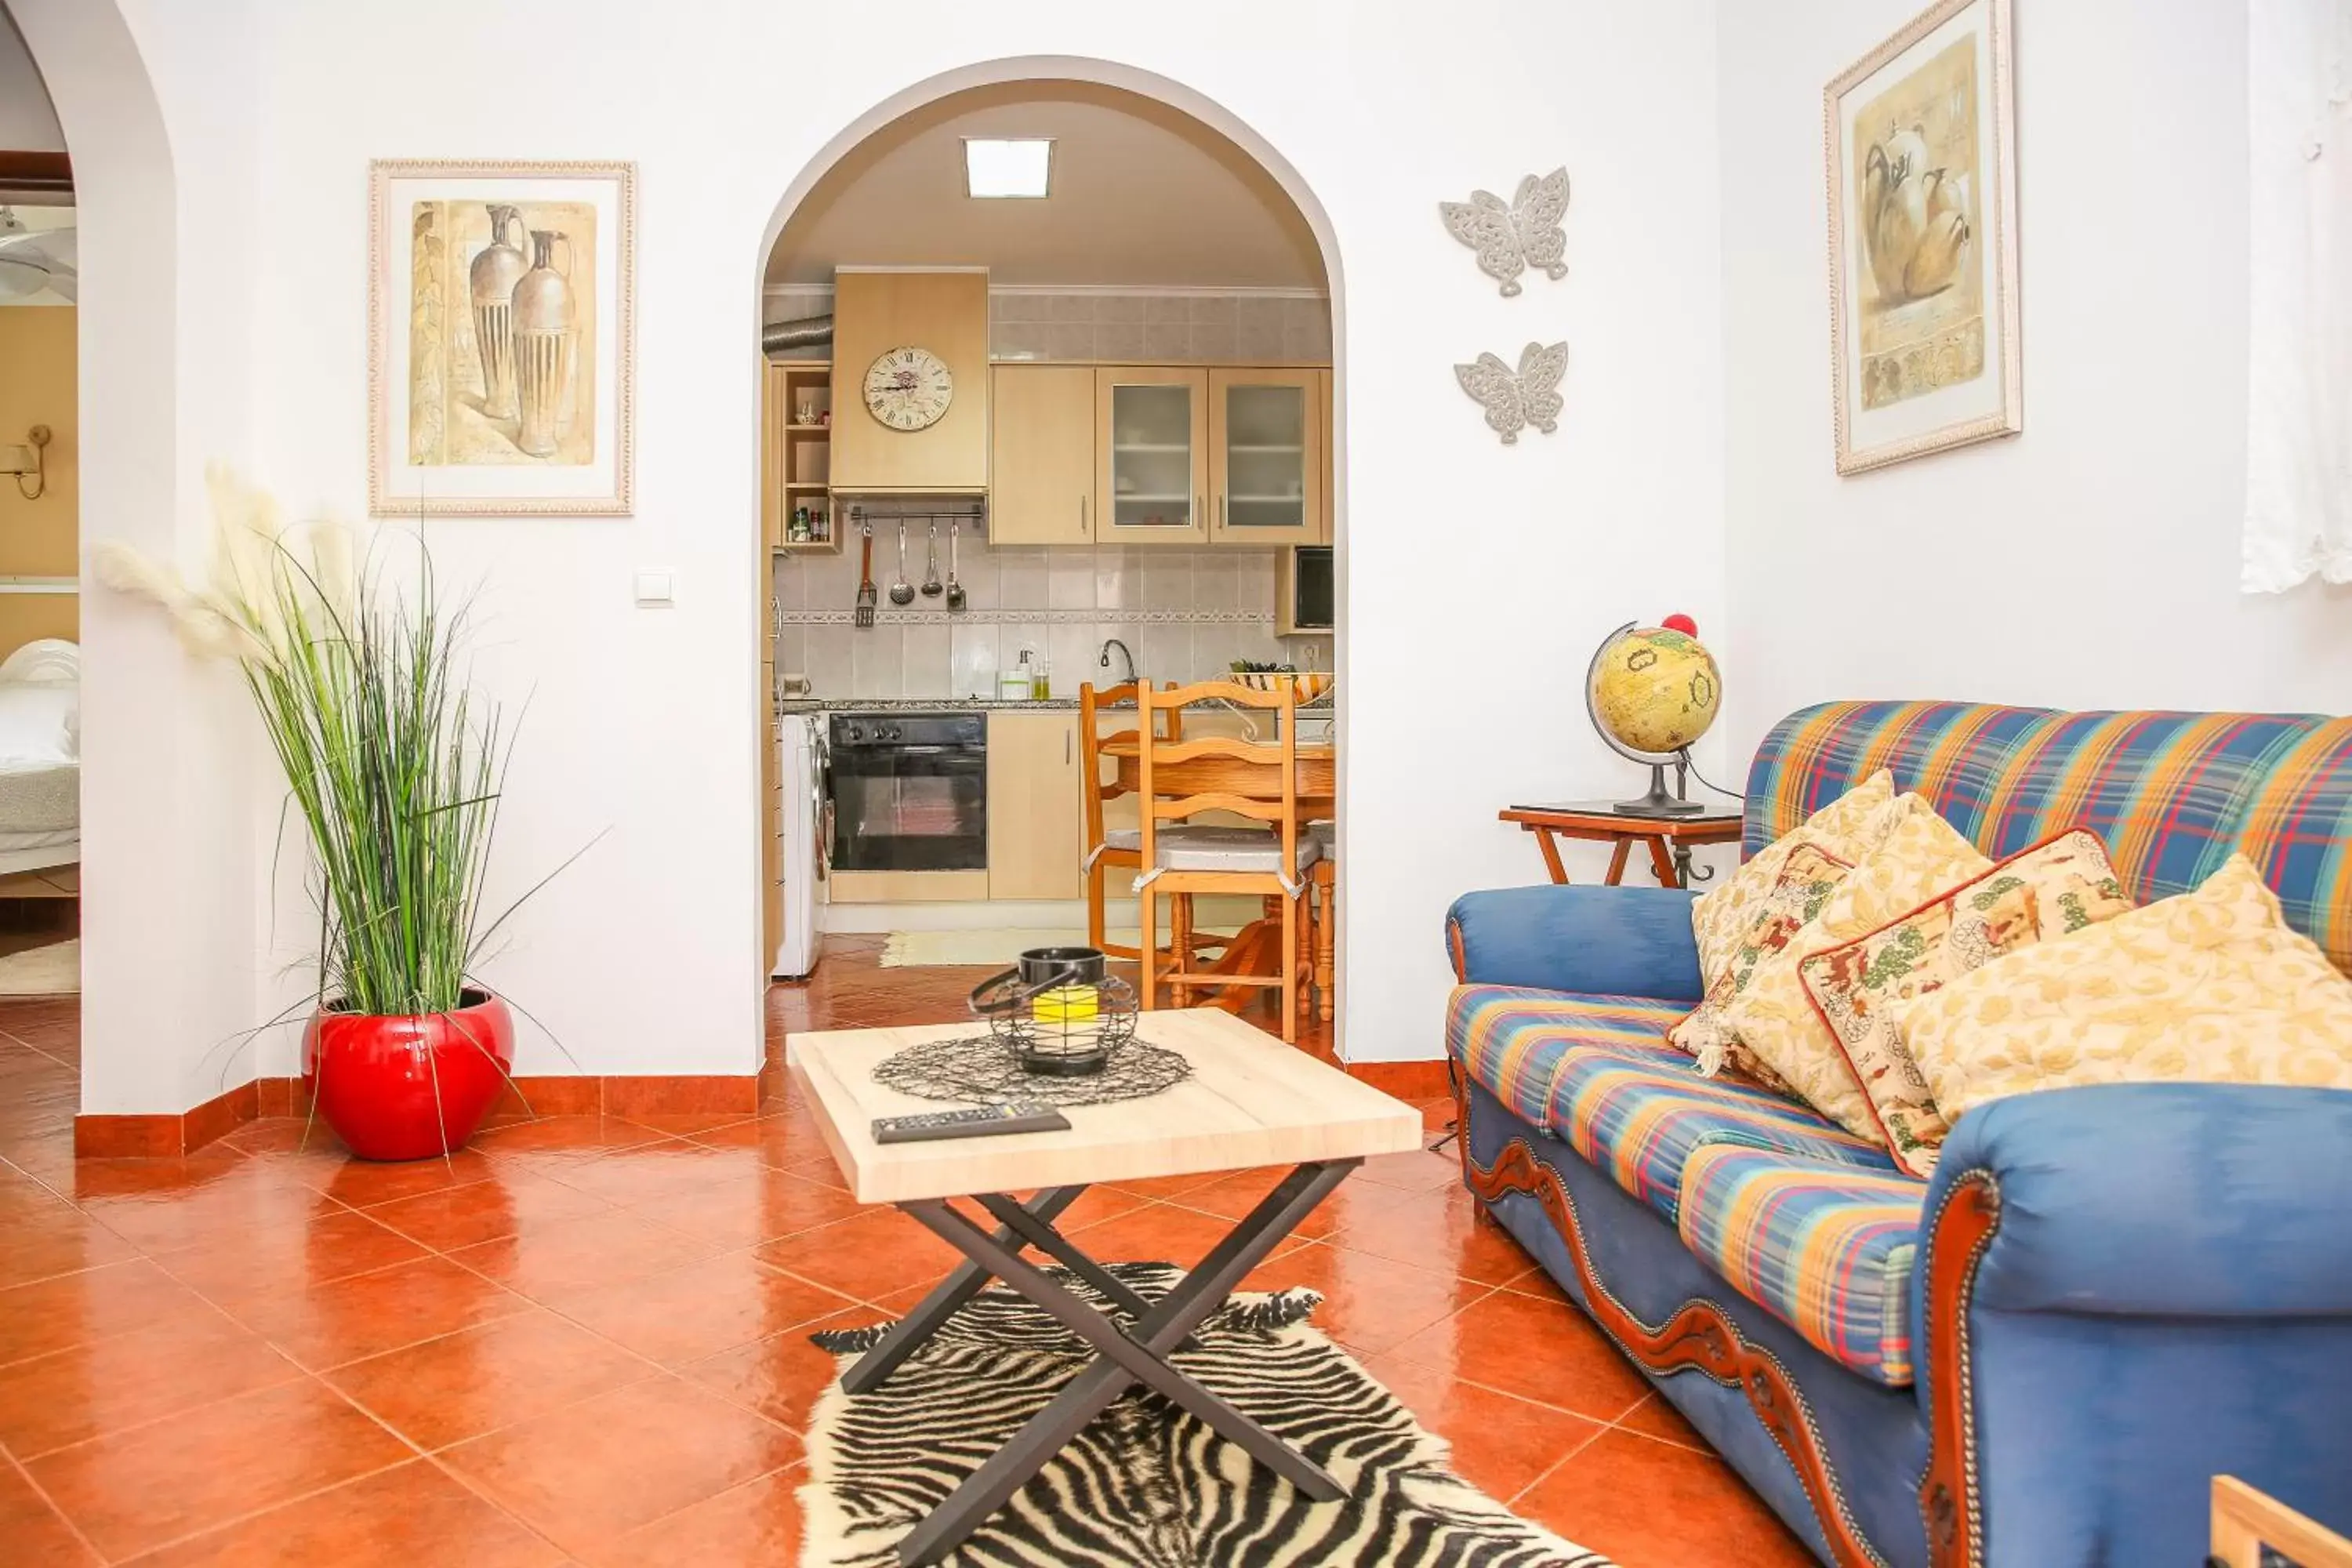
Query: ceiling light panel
(996, 168)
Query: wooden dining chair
(1179, 779)
(1324, 876)
(1108, 848)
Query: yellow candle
(1067, 1004)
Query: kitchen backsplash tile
(1184, 615)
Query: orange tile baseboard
(165, 1136)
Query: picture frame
(501, 337)
(1919, 145)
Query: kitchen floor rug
(51, 971)
(1147, 1484)
(997, 949)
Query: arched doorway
(850, 151)
(165, 813)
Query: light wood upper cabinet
(1265, 456)
(1330, 453)
(1041, 472)
(1034, 814)
(945, 312)
(1151, 454)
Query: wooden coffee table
(1251, 1100)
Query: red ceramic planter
(408, 1087)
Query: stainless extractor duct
(807, 332)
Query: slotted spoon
(902, 592)
(955, 589)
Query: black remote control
(981, 1121)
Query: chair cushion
(1597, 1072)
(1189, 848)
(1824, 1246)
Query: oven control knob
(854, 733)
(891, 733)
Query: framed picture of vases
(1921, 143)
(499, 338)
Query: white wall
(2091, 562)
(642, 725)
(27, 122)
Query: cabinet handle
(1200, 510)
(1082, 517)
(1221, 512)
(1066, 748)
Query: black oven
(909, 792)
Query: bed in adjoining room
(41, 769)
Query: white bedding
(40, 755)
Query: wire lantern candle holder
(1058, 1011)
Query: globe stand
(1658, 802)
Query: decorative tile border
(1027, 618)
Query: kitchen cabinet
(1267, 467)
(1034, 813)
(945, 312)
(1041, 469)
(1151, 454)
(1330, 457)
(793, 455)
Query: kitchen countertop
(1323, 710)
(919, 704)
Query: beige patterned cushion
(2209, 986)
(1844, 829)
(1808, 876)
(1772, 1017)
(1863, 988)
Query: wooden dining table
(1256, 947)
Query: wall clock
(908, 388)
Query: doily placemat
(982, 1069)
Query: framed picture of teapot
(1921, 142)
(501, 299)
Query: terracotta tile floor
(586, 1340)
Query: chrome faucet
(1110, 643)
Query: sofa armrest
(2123, 1292)
(2161, 1200)
(1612, 941)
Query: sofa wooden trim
(1698, 1336)
(1949, 1500)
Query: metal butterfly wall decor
(1510, 239)
(1513, 402)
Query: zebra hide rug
(1148, 1485)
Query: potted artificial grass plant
(394, 767)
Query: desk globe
(1651, 692)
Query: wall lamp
(33, 460)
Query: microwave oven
(1307, 599)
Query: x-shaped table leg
(968, 1281)
(1123, 1356)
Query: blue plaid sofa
(2102, 1299)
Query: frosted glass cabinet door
(1266, 443)
(1153, 441)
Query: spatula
(865, 616)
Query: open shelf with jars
(796, 510)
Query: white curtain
(2299, 411)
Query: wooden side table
(1669, 839)
(2251, 1529)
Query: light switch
(653, 591)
